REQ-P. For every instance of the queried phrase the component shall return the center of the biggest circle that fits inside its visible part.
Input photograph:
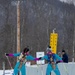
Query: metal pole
(3, 68)
(73, 45)
(54, 30)
(73, 57)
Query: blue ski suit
(23, 68)
(49, 66)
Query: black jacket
(65, 58)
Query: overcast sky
(69, 1)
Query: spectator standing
(64, 56)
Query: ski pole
(65, 68)
(9, 62)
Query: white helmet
(48, 48)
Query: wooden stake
(18, 26)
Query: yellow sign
(53, 42)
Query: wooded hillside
(38, 19)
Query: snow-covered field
(65, 69)
(7, 72)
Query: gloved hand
(6, 54)
(59, 61)
(40, 58)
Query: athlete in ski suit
(22, 68)
(52, 60)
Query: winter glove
(40, 58)
(59, 61)
(6, 54)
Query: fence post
(3, 68)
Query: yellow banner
(53, 42)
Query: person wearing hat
(22, 58)
(64, 56)
(52, 60)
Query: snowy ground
(65, 69)
(7, 72)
